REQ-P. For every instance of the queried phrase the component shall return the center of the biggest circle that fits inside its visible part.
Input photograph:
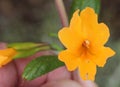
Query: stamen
(86, 43)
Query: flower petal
(70, 59)
(75, 23)
(101, 34)
(101, 55)
(89, 17)
(6, 55)
(87, 69)
(2, 59)
(95, 32)
(69, 38)
(10, 52)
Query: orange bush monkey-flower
(6, 56)
(85, 39)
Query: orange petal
(75, 20)
(70, 59)
(101, 34)
(6, 55)
(89, 17)
(87, 69)
(75, 23)
(2, 60)
(10, 52)
(101, 55)
(70, 39)
(7, 60)
(97, 33)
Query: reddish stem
(62, 12)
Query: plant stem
(62, 12)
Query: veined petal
(70, 59)
(87, 69)
(70, 39)
(101, 55)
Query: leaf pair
(28, 48)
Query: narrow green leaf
(53, 35)
(81, 4)
(29, 52)
(24, 45)
(41, 66)
(56, 47)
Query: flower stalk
(62, 12)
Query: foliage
(41, 66)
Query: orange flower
(6, 55)
(85, 39)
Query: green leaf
(56, 47)
(29, 52)
(81, 4)
(24, 45)
(53, 35)
(41, 66)
(25, 49)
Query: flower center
(86, 44)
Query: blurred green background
(38, 20)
